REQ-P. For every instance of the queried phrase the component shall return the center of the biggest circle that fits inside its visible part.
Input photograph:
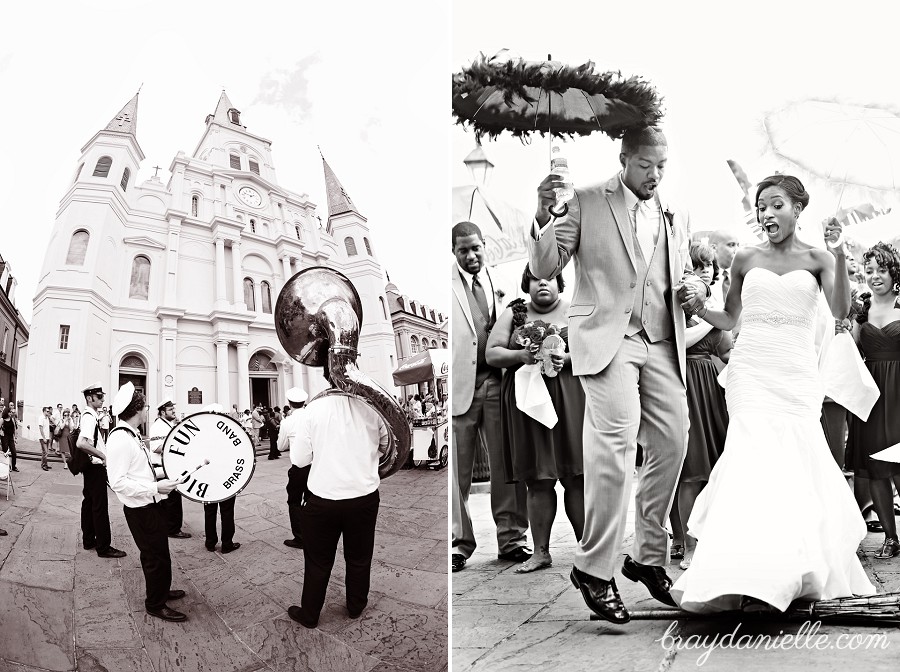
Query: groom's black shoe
(655, 578)
(600, 596)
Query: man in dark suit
(476, 405)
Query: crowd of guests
(540, 456)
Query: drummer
(226, 507)
(132, 478)
(166, 418)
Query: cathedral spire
(225, 113)
(126, 120)
(338, 200)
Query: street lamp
(480, 167)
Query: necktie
(642, 230)
(480, 298)
(726, 283)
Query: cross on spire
(156, 169)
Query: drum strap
(140, 445)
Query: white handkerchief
(891, 454)
(845, 377)
(532, 397)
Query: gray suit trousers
(638, 398)
(508, 501)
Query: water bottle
(560, 166)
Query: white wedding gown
(777, 520)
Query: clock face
(250, 196)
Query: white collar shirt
(483, 278)
(287, 431)
(87, 423)
(341, 437)
(128, 468)
(644, 217)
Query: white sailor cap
(297, 395)
(165, 403)
(93, 388)
(123, 398)
(212, 408)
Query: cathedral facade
(173, 286)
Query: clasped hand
(691, 300)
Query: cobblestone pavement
(63, 608)
(504, 621)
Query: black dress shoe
(458, 561)
(520, 554)
(655, 578)
(294, 543)
(176, 594)
(91, 546)
(180, 535)
(14, 469)
(355, 613)
(167, 614)
(601, 597)
(3, 533)
(210, 548)
(111, 553)
(229, 549)
(297, 614)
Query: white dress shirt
(287, 433)
(158, 432)
(45, 428)
(485, 281)
(341, 436)
(128, 468)
(88, 423)
(645, 218)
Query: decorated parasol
(502, 93)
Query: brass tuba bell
(317, 318)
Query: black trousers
(174, 512)
(273, 445)
(296, 488)
(209, 515)
(95, 508)
(9, 445)
(148, 527)
(323, 522)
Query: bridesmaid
(877, 333)
(706, 409)
(534, 453)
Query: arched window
(252, 226)
(249, 299)
(383, 307)
(5, 341)
(350, 244)
(78, 248)
(104, 163)
(368, 247)
(266, 293)
(444, 344)
(297, 231)
(234, 161)
(254, 166)
(195, 206)
(234, 116)
(125, 175)
(414, 344)
(140, 278)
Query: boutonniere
(670, 218)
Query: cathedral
(173, 286)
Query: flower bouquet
(542, 340)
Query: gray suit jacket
(464, 344)
(597, 235)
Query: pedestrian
(104, 423)
(272, 428)
(256, 420)
(95, 530)
(46, 436)
(9, 434)
(132, 479)
(172, 506)
(340, 436)
(476, 405)
(297, 476)
(226, 507)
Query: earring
(896, 288)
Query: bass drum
(218, 439)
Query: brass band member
(297, 477)
(166, 418)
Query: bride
(777, 521)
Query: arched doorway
(263, 380)
(133, 369)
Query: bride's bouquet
(542, 339)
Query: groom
(626, 336)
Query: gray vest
(483, 325)
(650, 312)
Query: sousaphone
(317, 318)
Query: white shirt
(645, 218)
(158, 432)
(45, 428)
(88, 422)
(341, 436)
(483, 278)
(128, 468)
(287, 434)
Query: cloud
(289, 88)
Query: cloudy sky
(353, 78)
(720, 67)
